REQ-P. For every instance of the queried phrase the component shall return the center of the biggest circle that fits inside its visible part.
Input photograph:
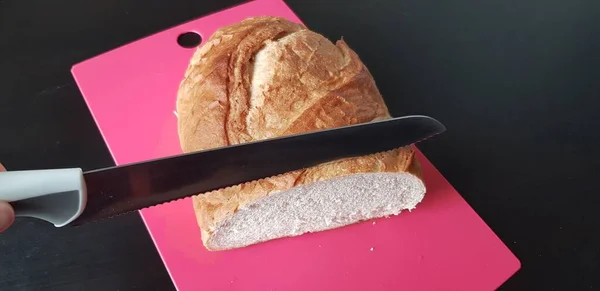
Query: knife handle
(57, 196)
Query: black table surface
(517, 83)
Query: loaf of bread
(266, 77)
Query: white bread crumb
(319, 206)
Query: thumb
(7, 216)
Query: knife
(72, 197)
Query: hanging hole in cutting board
(189, 39)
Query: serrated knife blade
(70, 197)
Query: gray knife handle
(57, 196)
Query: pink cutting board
(442, 245)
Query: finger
(7, 216)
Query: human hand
(7, 214)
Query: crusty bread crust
(267, 77)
